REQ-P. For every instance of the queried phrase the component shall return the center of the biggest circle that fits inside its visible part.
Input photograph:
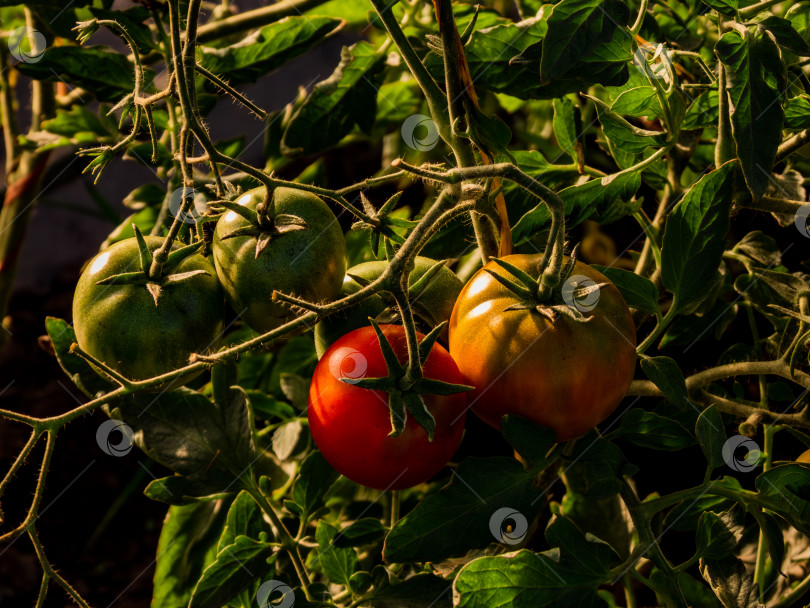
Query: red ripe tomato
(351, 425)
(567, 375)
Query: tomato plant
(433, 291)
(351, 425)
(298, 249)
(561, 373)
(607, 201)
(146, 326)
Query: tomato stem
(286, 538)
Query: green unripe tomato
(430, 307)
(308, 264)
(121, 326)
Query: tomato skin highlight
(309, 264)
(121, 326)
(351, 425)
(567, 375)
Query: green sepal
(137, 277)
(520, 291)
(390, 252)
(519, 274)
(367, 206)
(430, 386)
(389, 205)
(426, 345)
(468, 31)
(362, 281)
(262, 241)
(143, 249)
(155, 290)
(286, 222)
(243, 231)
(396, 407)
(177, 256)
(247, 213)
(416, 406)
(179, 277)
(424, 281)
(374, 384)
(395, 368)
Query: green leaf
(684, 516)
(695, 235)
(703, 112)
(209, 443)
(314, 479)
(717, 534)
(421, 591)
(797, 113)
(756, 77)
(354, 12)
(667, 376)
(638, 291)
(235, 567)
(459, 516)
(731, 582)
(531, 441)
(565, 125)
(245, 518)
(187, 545)
(725, 7)
(75, 127)
(628, 137)
(653, 431)
(80, 372)
(567, 575)
(581, 202)
(286, 438)
(774, 539)
(396, 101)
(575, 28)
(786, 37)
(361, 532)
(711, 435)
(346, 98)
(99, 70)
(338, 563)
(785, 490)
(132, 21)
(268, 48)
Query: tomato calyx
(264, 226)
(391, 313)
(405, 391)
(155, 283)
(380, 222)
(543, 296)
